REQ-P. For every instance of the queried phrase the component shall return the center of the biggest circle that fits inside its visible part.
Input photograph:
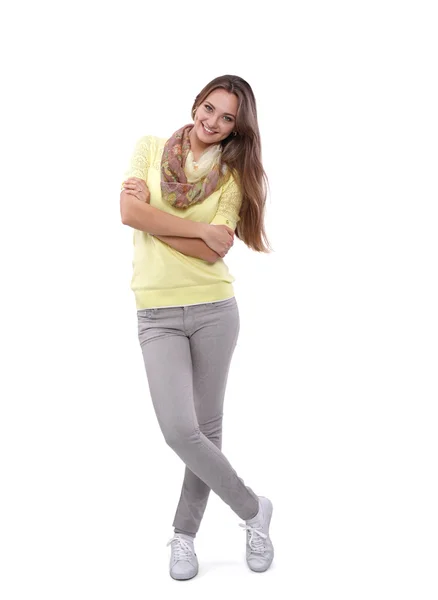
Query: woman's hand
(219, 238)
(138, 188)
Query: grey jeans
(187, 352)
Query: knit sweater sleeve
(229, 205)
(140, 159)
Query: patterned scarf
(175, 188)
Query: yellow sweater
(162, 276)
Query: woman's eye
(227, 119)
(208, 107)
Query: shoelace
(181, 548)
(256, 537)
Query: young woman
(185, 198)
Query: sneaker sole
(182, 578)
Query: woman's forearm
(190, 247)
(144, 217)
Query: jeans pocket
(224, 303)
(145, 313)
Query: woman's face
(215, 117)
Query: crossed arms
(201, 240)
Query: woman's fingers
(132, 179)
(134, 183)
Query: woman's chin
(207, 138)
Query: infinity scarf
(175, 188)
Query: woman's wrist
(203, 230)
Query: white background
(331, 403)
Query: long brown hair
(242, 154)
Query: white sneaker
(183, 560)
(259, 548)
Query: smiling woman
(186, 197)
(214, 120)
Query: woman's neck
(197, 147)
